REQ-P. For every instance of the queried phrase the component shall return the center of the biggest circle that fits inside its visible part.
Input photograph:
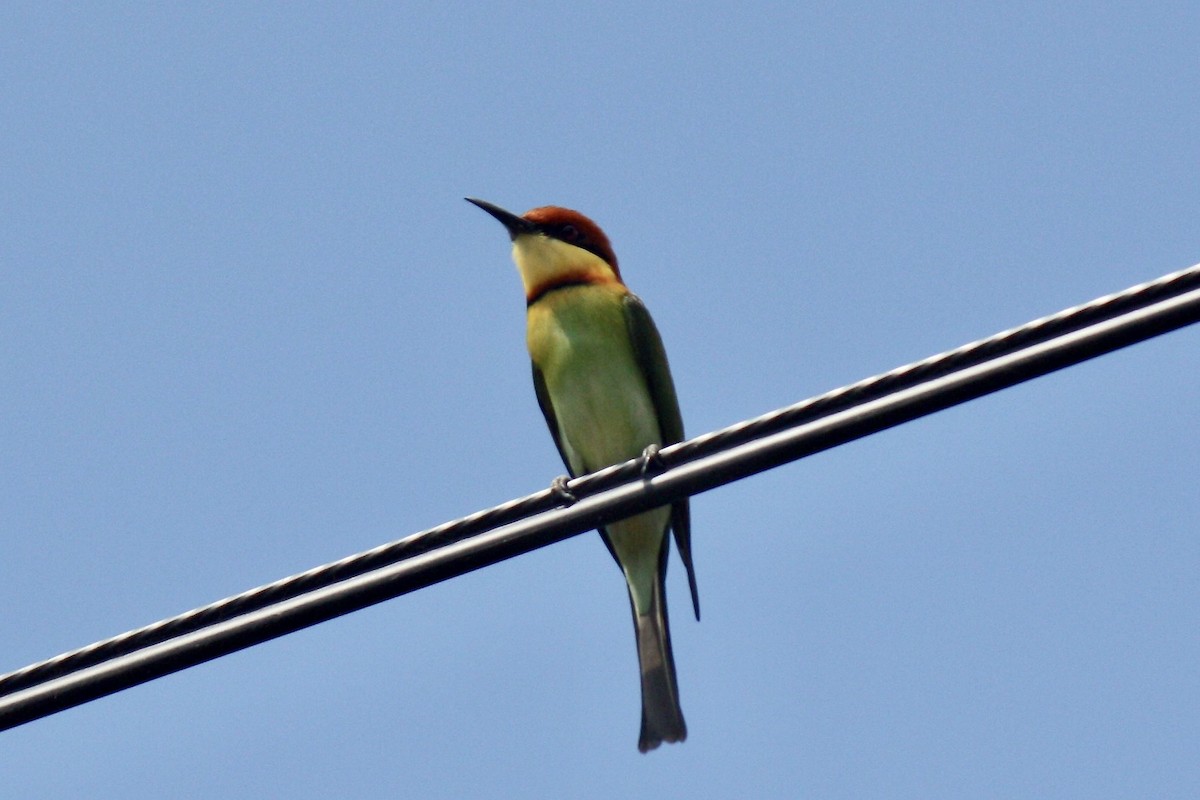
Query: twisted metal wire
(962, 357)
(863, 391)
(272, 593)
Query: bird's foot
(558, 488)
(651, 461)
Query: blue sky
(248, 325)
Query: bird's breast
(578, 339)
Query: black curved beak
(516, 225)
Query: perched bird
(603, 384)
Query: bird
(603, 384)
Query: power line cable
(519, 526)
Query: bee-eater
(604, 387)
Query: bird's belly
(606, 417)
(604, 413)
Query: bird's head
(552, 245)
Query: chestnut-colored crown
(574, 228)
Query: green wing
(652, 359)
(543, 398)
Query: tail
(662, 718)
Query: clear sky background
(248, 325)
